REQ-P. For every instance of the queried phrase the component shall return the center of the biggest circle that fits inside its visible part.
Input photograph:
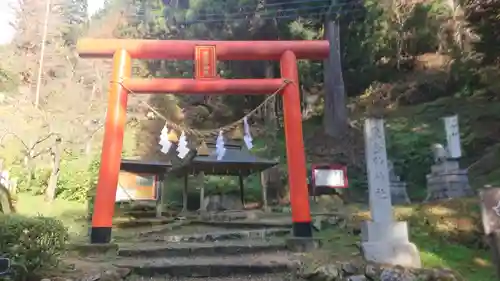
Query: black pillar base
(100, 235)
(302, 229)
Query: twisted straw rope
(208, 132)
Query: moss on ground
(448, 234)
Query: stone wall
(331, 272)
(372, 272)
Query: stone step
(130, 222)
(229, 215)
(139, 214)
(219, 235)
(199, 249)
(258, 277)
(164, 228)
(262, 223)
(211, 266)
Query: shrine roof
(237, 160)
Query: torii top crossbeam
(184, 49)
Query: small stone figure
(439, 152)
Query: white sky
(7, 16)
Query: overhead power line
(231, 4)
(272, 6)
(276, 8)
(282, 14)
(272, 11)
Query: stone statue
(439, 152)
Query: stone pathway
(196, 250)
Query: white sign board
(328, 177)
(452, 136)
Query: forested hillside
(410, 62)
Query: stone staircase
(222, 249)
(246, 250)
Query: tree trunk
(269, 129)
(28, 164)
(201, 179)
(271, 178)
(88, 146)
(185, 195)
(50, 192)
(159, 189)
(263, 186)
(335, 112)
(6, 204)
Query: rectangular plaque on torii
(205, 62)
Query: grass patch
(72, 214)
(455, 229)
(471, 264)
(457, 221)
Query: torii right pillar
(297, 177)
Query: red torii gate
(123, 51)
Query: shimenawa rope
(210, 132)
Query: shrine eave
(144, 167)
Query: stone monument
(398, 187)
(384, 240)
(446, 179)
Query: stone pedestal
(398, 187)
(447, 180)
(387, 243)
(399, 195)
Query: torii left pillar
(122, 51)
(114, 128)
